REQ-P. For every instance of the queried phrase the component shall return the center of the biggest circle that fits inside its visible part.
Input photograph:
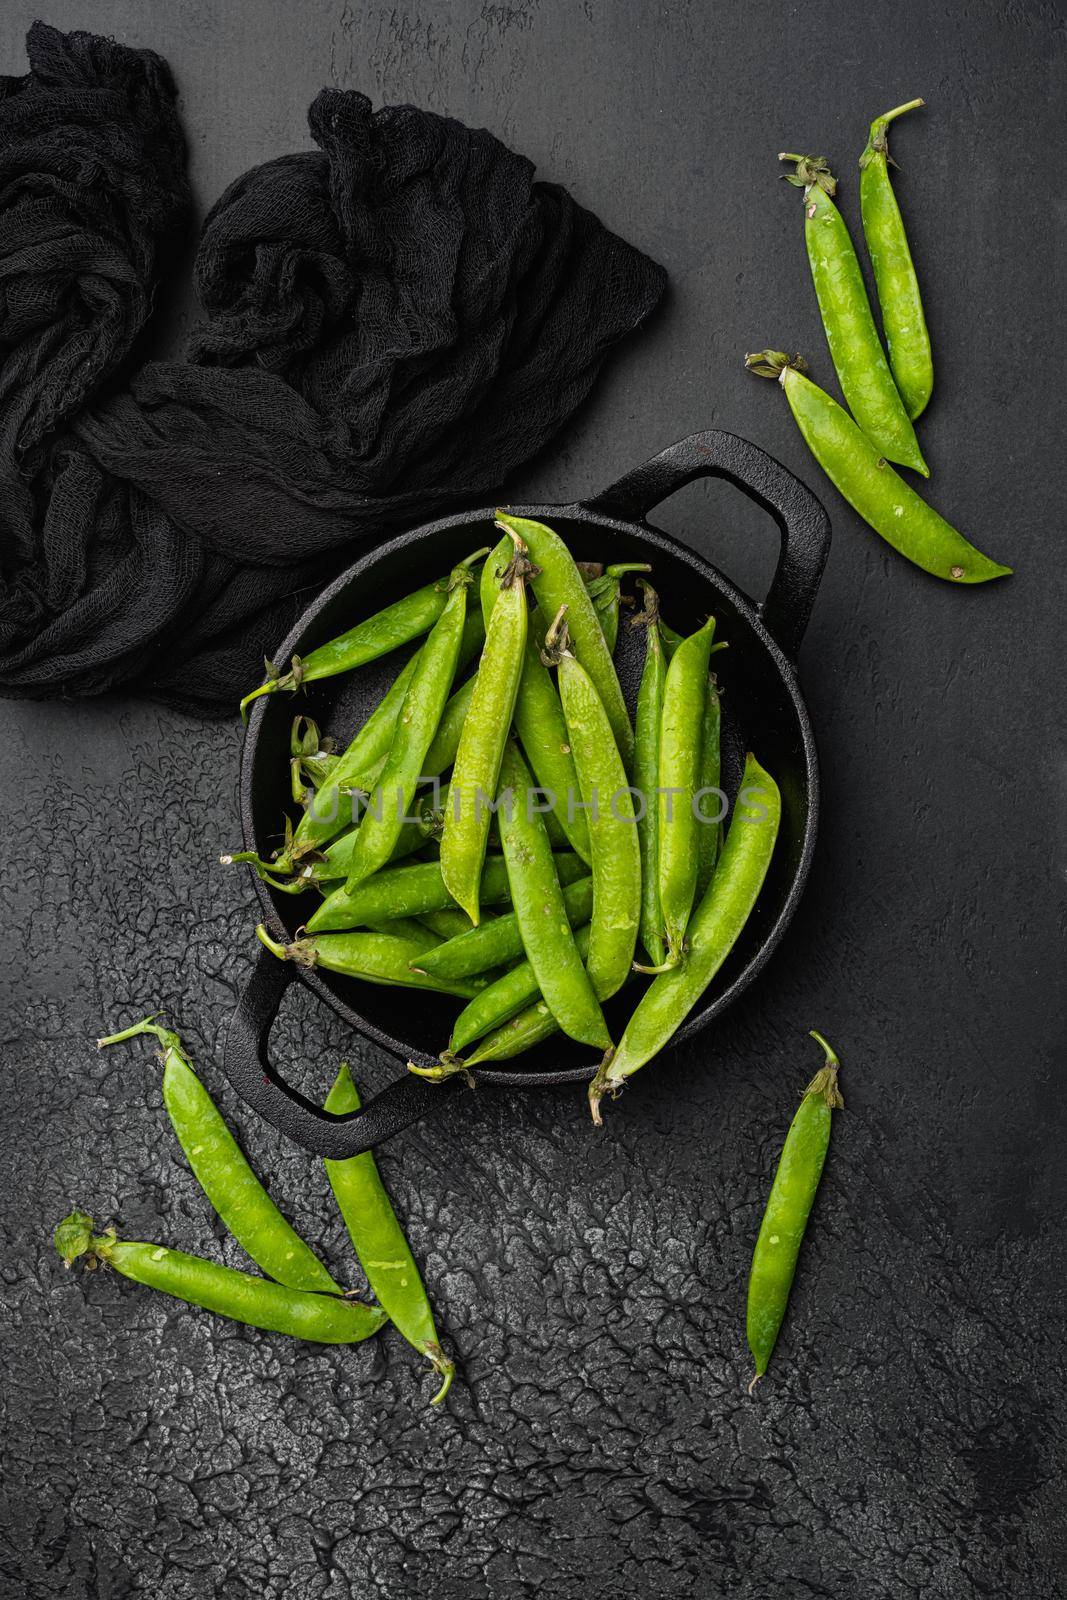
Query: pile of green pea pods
(297, 1296)
(562, 833)
(885, 397)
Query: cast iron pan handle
(248, 1068)
(802, 522)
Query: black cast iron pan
(762, 711)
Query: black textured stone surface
(909, 1441)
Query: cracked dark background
(909, 1441)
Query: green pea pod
(848, 321)
(481, 745)
(258, 1303)
(442, 751)
(327, 869)
(387, 630)
(884, 501)
(671, 640)
(416, 726)
(774, 1261)
(903, 318)
(414, 889)
(495, 943)
(451, 922)
(714, 929)
(541, 912)
(379, 1242)
(646, 775)
(222, 1171)
(681, 754)
(558, 582)
(539, 716)
(605, 792)
(605, 592)
(512, 992)
(371, 957)
(360, 766)
(708, 804)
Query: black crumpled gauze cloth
(391, 324)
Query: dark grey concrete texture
(909, 1441)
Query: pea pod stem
(792, 1194)
(884, 501)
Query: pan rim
(578, 511)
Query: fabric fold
(391, 324)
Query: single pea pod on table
(862, 369)
(380, 1243)
(257, 1302)
(903, 318)
(223, 1172)
(863, 476)
(774, 1261)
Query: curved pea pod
(475, 774)
(223, 1172)
(380, 1244)
(557, 582)
(511, 993)
(681, 756)
(903, 317)
(416, 888)
(848, 321)
(371, 957)
(714, 929)
(257, 1302)
(774, 1261)
(884, 501)
(646, 774)
(387, 630)
(605, 792)
(495, 943)
(541, 913)
(413, 735)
